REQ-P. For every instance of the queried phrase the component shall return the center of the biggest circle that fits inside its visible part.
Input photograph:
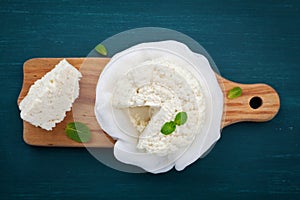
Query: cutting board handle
(258, 103)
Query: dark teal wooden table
(254, 41)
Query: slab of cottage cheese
(50, 97)
(154, 92)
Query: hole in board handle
(255, 102)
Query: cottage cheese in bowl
(144, 87)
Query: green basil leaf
(234, 92)
(78, 132)
(181, 118)
(100, 48)
(168, 128)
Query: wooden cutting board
(258, 103)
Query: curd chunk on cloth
(154, 92)
(50, 97)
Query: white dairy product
(133, 126)
(162, 89)
(50, 97)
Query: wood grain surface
(240, 109)
(235, 110)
